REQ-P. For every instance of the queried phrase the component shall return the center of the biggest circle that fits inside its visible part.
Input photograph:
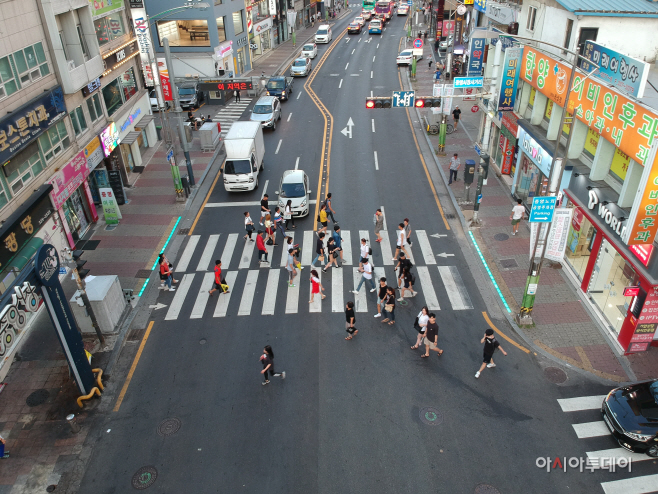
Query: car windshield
(262, 109)
(354, 24)
(292, 190)
(186, 91)
(358, 19)
(153, 95)
(275, 85)
(308, 48)
(237, 167)
(322, 31)
(406, 53)
(299, 63)
(375, 23)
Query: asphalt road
(346, 419)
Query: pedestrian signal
(426, 102)
(378, 102)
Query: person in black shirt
(381, 296)
(455, 115)
(319, 249)
(349, 321)
(402, 263)
(267, 359)
(431, 339)
(490, 345)
(264, 208)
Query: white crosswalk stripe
(224, 298)
(269, 300)
(425, 248)
(184, 260)
(360, 299)
(337, 290)
(248, 293)
(431, 299)
(308, 248)
(230, 113)
(637, 485)
(206, 257)
(581, 403)
(284, 250)
(346, 245)
(316, 305)
(179, 297)
(228, 250)
(387, 253)
(455, 287)
(247, 254)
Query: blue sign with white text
(542, 209)
(466, 82)
(509, 79)
(480, 5)
(403, 99)
(477, 57)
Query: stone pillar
(578, 139)
(151, 134)
(538, 109)
(631, 184)
(602, 160)
(137, 154)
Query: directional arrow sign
(157, 306)
(436, 235)
(443, 254)
(347, 131)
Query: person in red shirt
(262, 250)
(217, 284)
(165, 274)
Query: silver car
(300, 67)
(294, 187)
(267, 111)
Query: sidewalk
(564, 326)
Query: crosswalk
(263, 289)
(611, 456)
(230, 113)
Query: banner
(476, 49)
(509, 79)
(557, 240)
(459, 29)
(480, 5)
(143, 33)
(110, 207)
(165, 83)
(103, 7)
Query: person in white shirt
(401, 242)
(364, 252)
(367, 276)
(518, 212)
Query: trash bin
(158, 130)
(469, 171)
(188, 131)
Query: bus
(385, 9)
(369, 6)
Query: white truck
(245, 153)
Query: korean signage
(165, 83)
(625, 73)
(93, 153)
(130, 119)
(109, 138)
(263, 25)
(631, 291)
(119, 57)
(462, 82)
(537, 154)
(91, 87)
(24, 125)
(646, 324)
(509, 79)
(136, 4)
(557, 239)
(225, 85)
(542, 209)
(643, 222)
(110, 207)
(477, 56)
(605, 212)
(446, 97)
(68, 179)
(448, 28)
(143, 34)
(627, 124)
(100, 8)
(499, 13)
(459, 29)
(224, 49)
(480, 5)
(642, 252)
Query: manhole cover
(430, 416)
(169, 427)
(509, 263)
(143, 273)
(555, 375)
(37, 398)
(144, 477)
(501, 236)
(403, 303)
(486, 489)
(202, 341)
(51, 488)
(183, 231)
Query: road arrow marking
(436, 235)
(347, 131)
(443, 254)
(157, 306)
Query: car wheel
(279, 115)
(256, 186)
(262, 165)
(653, 451)
(274, 125)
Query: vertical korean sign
(459, 29)
(477, 57)
(557, 240)
(110, 207)
(644, 223)
(480, 5)
(165, 83)
(646, 324)
(509, 79)
(143, 34)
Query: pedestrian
(401, 242)
(288, 215)
(330, 210)
(350, 318)
(431, 339)
(407, 231)
(264, 208)
(316, 286)
(3, 454)
(237, 96)
(455, 115)
(217, 282)
(332, 254)
(454, 166)
(293, 250)
(365, 252)
(381, 296)
(407, 280)
(267, 359)
(429, 67)
(260, 245)
(207, 119)
(279, 224)
(490, 345)
(269, 229)
(420, 325)
(166, 274)
(162, 258)
(379, 224)
(367, 276)
(389, 306)
(322, 218)
(290, 267)
(518, 212)
(319, 249)
(403, 262)
(248, 226)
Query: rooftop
(612, 8)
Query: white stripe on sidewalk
(184, 260)
(284, 252)
(179, 297)
(247, 254)
(308, 248)
(248, 293)
(616, 453)
(425, 247)
(454, 284)
(428, 288)
(292, 299)
(591, 429)
(346, 245)
(337, 304)
(581, 403)
(360, 299)
(225, 298)
(385, 245)
(208, 251)
(202, 297)
(637, 485)
(269, 300)
(316, 306)
(228, 250)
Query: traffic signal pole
(82, 286)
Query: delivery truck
(245, 153)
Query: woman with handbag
(319, 250)
(332, 254)
(389, 306)
(248, 225)
(288, 216)
(269, 229)
(420, 325)
(171, 268)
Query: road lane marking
(425, 247)
(346, 246)
(371, 74)
(248, 293)
(371, 93)
(385, 245)
(376, 162)
(618, 454)
(316, 306)
(428, 288)
(455, 287)
(347, 65)
(202, 297)
(299, 95)
(297, 163)
(359, 40)
(340, 84)
(581, 403)
(133, 366)
(179, 297)
(264, 189)
(284, 250)
(292, 299)
(384, 215)
(360, 299)
(278, 146)
(377, 45)
(208, 251)
(373, 58)
(228, 250)
(353, 51)
(308, 248)
(224, 298)
(635, 485)
(247, 254)
(373, 124)
(184, 260)
(269, 300)
(289, 115)
(591, 429)
(504, 336)
(337, 304)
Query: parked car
(324, 34)
(189, 95)
(300, 67)
(443, 45)
(279, 86)
(294, 186)
(267, 111)
(153, 97)
(310, 50)
(406, 56)
(354, 28)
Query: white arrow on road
(347, 131)
(157, 306)
(443, 254)
(436, 235)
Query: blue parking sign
(542, 209)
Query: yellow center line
(507, 338)
(212, 187)
(133, 367)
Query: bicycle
(434, 129)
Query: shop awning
(130, 138)
(144, 121)
(26, 254)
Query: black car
(354, 27)
(631, 414)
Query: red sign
(508, 156)
(475, 108)
(509, 121)
(225, 86)
(643, 252)
(637, 347)
(646, 324)
(631, 291)
(418, 43)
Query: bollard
(75, 428)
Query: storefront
(260, 41)
(240, 59)
(94, 155)
(505, 149)
(223, 57)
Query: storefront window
(238, 26)
(76, 215)
(120, 90)
(184, 32)
(531, 182)
(221, 32)
(8, 84)
(531, 100)
(54, 141)
(78, 121)
(109, 27)
(579, 242)
(24, 173)
(549, 111)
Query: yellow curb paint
(498, 331)
(133, 367)
(584, 358)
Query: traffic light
(427, 102)
(378, 102)
(76, 254)
(484, 163)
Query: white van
(245, 150)
(324, 34)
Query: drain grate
(509, 263)
(169, 427)
(144, 477)
(109, 228)
(51, 488)
(555, 375)
(430, 416)
(138, 169)
(143, 273)
(486, 489)
(183, 231)
(136, 334)
(501, 236)
(450, 216)
(37, 398)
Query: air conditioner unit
(70, 64)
